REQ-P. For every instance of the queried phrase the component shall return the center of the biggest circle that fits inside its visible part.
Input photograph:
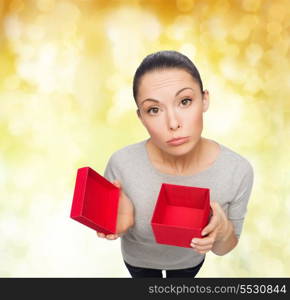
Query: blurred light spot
(47, 54)
(242, 29)
(253, 53)
(275, 263)
(114, 82)
(12, 82)
(274, 28)
(232, 50)
(185, 21)
(121, 33)
(189, 50)
(222, 7)
(49, 66)
(67, 11)
(185, 5)
(261, 224)
(251, 5)
(151, 28)
(123, 101)
(217, 28)
(16, 126)
(283, 45)
(45, 5)
(178, 29)
(13, 27)
(27, 52)
(278, 11)
(145, 23)
(224, 119)
(34, 32)
(253, 83)
(16, 6)
(24, 177)
(205, 40)
(240, 32)
(3, 172)
(175, 32)
(229, 69)
(9, 226)
(181, 26)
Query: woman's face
(171, 105)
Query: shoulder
(241, 165)
(127, 154)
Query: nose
(173, 122)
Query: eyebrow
(177, 93)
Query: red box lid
(95, 201)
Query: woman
(169, 94)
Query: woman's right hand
(125, 217)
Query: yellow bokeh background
(66, 70)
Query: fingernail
(204, 233)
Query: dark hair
(165, 60)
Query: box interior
(182, 216)
(182, 206)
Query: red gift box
(180, 214)
(95, 201)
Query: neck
(179, 164)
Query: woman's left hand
(214, 231)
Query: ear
(205, 101)
(138, 113)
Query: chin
(179, 150)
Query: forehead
(165, 80)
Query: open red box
(180, 214)
(95, 201)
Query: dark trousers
(138, 272)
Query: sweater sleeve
(111, 171)
(238, 207)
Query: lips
(178, 141)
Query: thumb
(213, 207)
(117, 183)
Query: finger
(210, 238)
(203, 242)
(117, 183)
(111, 236)
(100, 234)
(202, 251)
(213, 222)
(213, 204)
(114, 182)
(205, 248)
(216, 209)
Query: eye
(186, 101)
(154, 109)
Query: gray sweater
(229, 178)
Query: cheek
(155, 130)
(155, 126)
(194, 120)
